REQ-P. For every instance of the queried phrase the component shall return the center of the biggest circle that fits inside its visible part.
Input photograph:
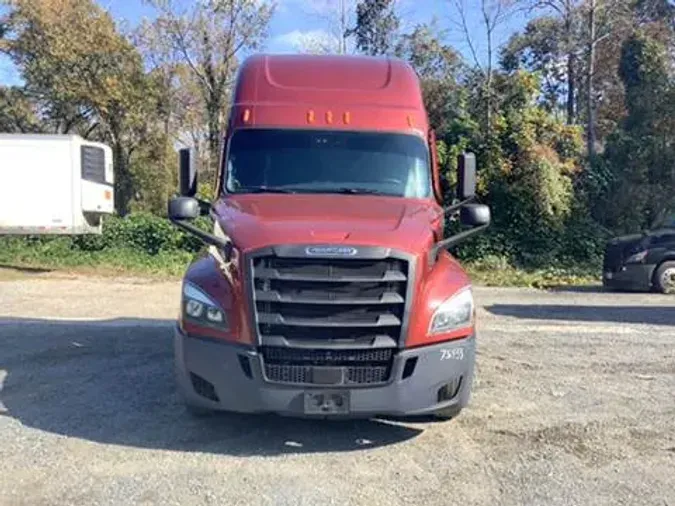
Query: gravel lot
(574, 403)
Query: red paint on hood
(256, 221)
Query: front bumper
(240, 388)
(630, 277)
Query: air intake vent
(203, 387)
(320, 367)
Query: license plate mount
(327, 402)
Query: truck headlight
(455, 313)
(201, 309)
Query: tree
(655, 11)
(493, 14)
(539, 49)
(439, 68)
(17, 113)
(337, 18)
(551, 45)
(579, 31)
(181, 108)
(527, 172)
(603, 19)
(85, 76)
(567, 38)
(376, 27)
(640, 155)
(209, 37)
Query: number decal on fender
(452, 354)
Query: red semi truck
(326, 288)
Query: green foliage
(17, 112)
(498, 271)
(633, 182)
(142, 233)
(376, 27)
(86, 78)
(528, 168)
(539, 49)
(551, 204)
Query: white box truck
(54, 184)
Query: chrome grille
(329, 300)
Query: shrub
(140, 232)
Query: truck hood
(257, 221)
(644, 239)
(626, 239)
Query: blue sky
(294, 19)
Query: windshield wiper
(265, 189)
(356, 191)
(299, 189)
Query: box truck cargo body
(54, 184)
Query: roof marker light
(310, 116)
(347, 118)
(247, 115)
(411, 121)
(329, 117)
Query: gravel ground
(574, 403)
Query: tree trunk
(213, 111)
(571, 89)
(343, 27)
(488, 88)
(489, 30)
(590, 99)
(571, 63)
(124, 186)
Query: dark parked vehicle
(643, 261)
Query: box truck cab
(327, 289)
(54, 184)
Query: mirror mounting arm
(452, 241)
(225, 246)
(204, 207)
(458, 205)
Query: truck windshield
(667, 221)
(310, 161)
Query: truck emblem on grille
(340, 251)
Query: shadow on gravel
(650, 315)
(27, 270)
(112, 382)
(578, 289)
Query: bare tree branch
(459, 5)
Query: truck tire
(664, 278)
(447, 413)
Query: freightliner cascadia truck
(326, 288)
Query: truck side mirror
(466, 176)
(187, 172)
(475, 215)
(183, 208)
